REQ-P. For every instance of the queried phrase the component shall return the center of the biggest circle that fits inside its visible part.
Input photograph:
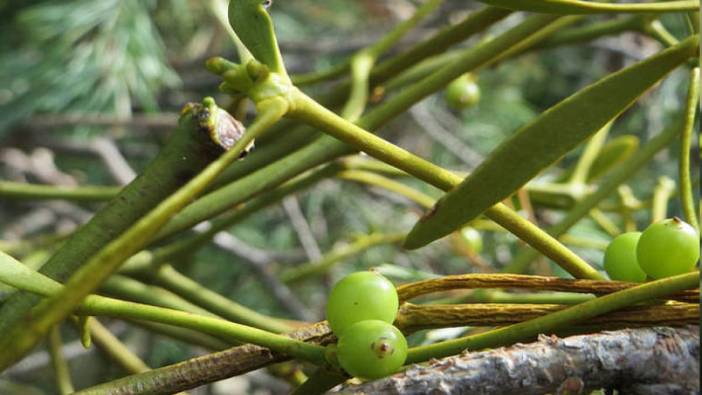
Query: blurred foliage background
(86, 83)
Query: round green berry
(462, 92)
(371, 349)
(668, 248)
(620, 259)
(361, 296)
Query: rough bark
(522, 281)
(414, 317)
(635, 361)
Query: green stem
(628, 204)
(419, 71)
(388, 184)
(693, 20)
(115, 349)
(21, 338)
(267, 153)
(17, 275)
(539, 37)
(558, 195)
(499, 296)
(204, 369)
(18, 190)
(174, 281)
(58, 362)
(263, 180)
(361, 66)
(604, 222)
(94, 305)
(361, 244)
(558, 320)
(473, 23)
(687, 197)
(609, 185)
(218, 8)
(326, 149)
(476, 22)
(582, 242)
(192, 243)
(187, 336)
(364, 163)
(593, 31)
(127, 288)
(655, 29)
(592, 7)
(383, 45)
(661, 195)
(165, 174)
(480, 55)
(590, 153)
(311, 112)
(374, 51)
(327, 74)
(362, 62)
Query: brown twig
(239, 360)
(207, 368)
(414, 317)
(542, 283)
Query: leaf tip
(413, 240)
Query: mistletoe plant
(198, 177)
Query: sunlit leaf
(543, 141)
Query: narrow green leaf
(543, 141)
(613, 154)
(570, 7)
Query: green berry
(620, 259)
(361, 296)
(462, 92)
(372, 349)
(668, 248)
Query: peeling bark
(635, 361)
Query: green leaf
(543, 141)
(570, 7)
(254, 27)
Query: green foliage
(542, 142)
(553, 193)
(82, 56)
(620, 258)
